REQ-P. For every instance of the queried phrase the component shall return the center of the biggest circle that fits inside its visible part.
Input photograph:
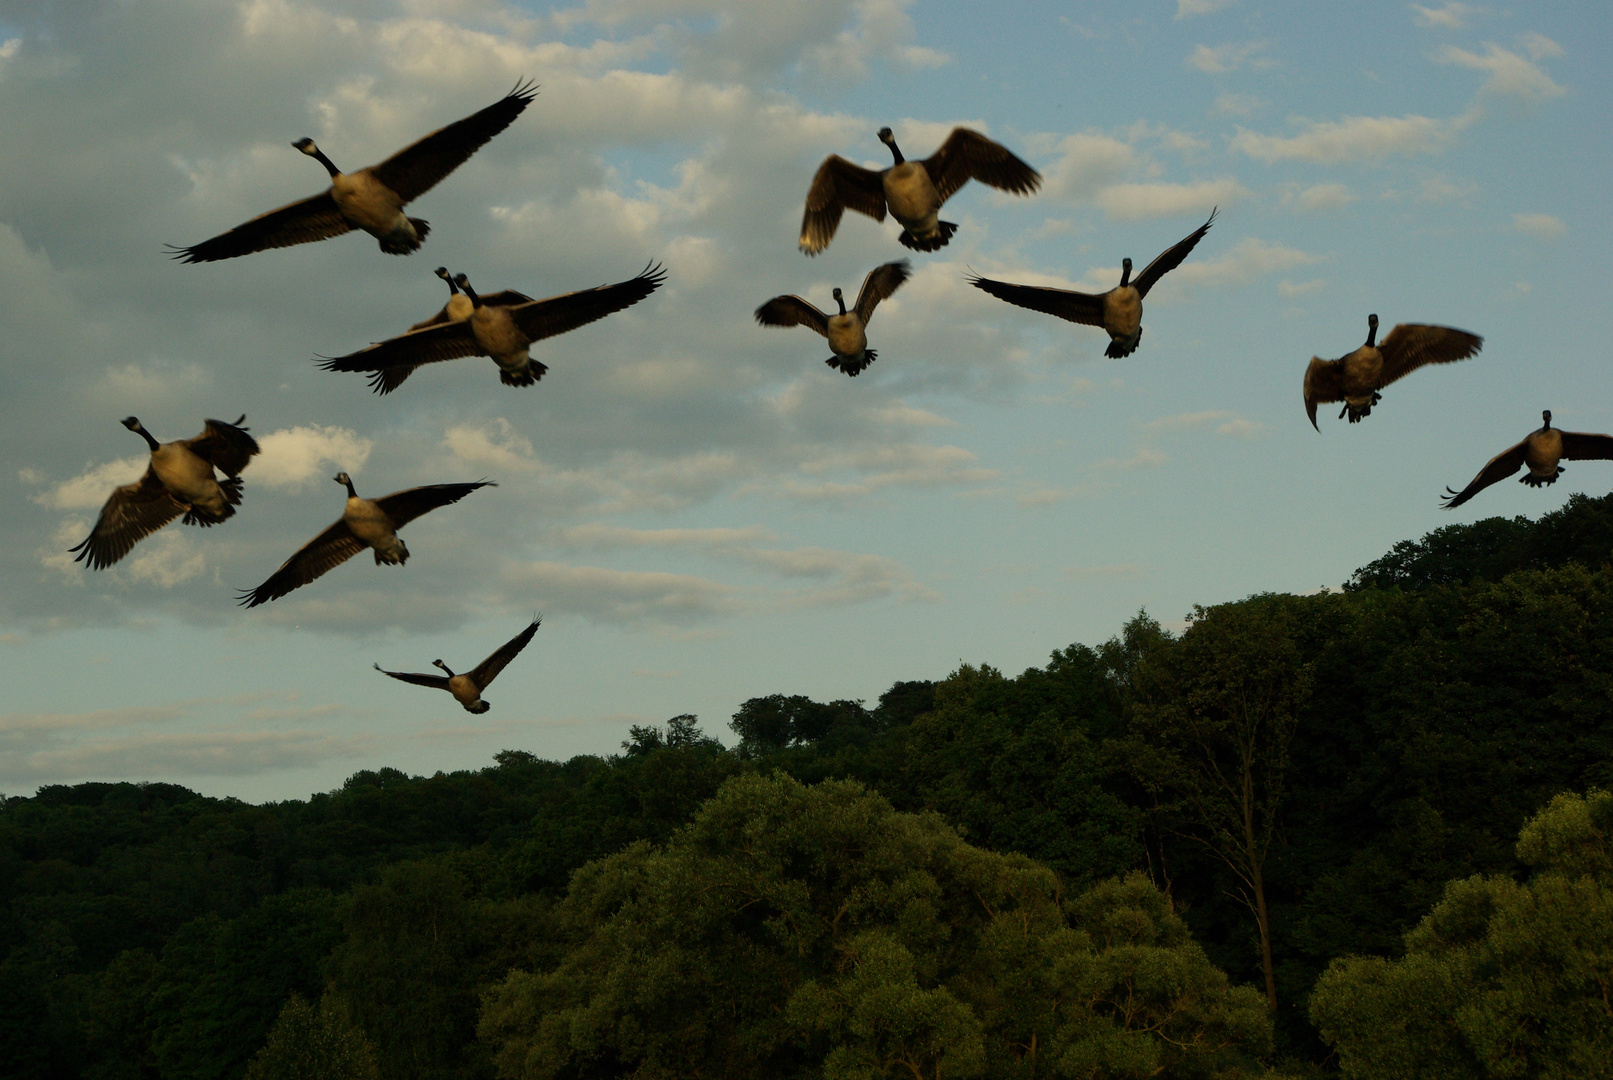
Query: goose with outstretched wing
(1540, 450)
(503, 331)
(1356, 377)
(467, 687)
(913, 191)
(365, 523)
(371, 198)
(179, 480)
(848, 331)
(1118, 311)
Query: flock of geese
(183, 478)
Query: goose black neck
(348, 483)
(146, 435)
(1125, 273)
(330, 166)
(445, 668)
(464, 285)
(896, 151)
(841, 300)
(1546, 416)
(1372, 333)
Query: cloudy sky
(700, 508)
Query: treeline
(1291, 781)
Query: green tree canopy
(1501, 979)
(815, 931)
(308, 1043)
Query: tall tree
(1212, 741)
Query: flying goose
(847, 335)
(365, 523)
(502, 331)
(179, 480)
(1356, 377)
(371, 199)
(1541, 451)
(467, 688)
(1119, 311)
(913, 190)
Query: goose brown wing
(968, 155)
(879, 284)
(1411, 345)
(1583, 446)
(837, 185)
(133, 512)
(436, 682)
(1324, 381)
(404, 506)
(1499, 468)
(539, 319)
(488, 669)
(227, 447)
(792, 311)
(1171, 257)
(1077, 307)
(329, 549)
(314, 218)
(394, 359)
(417, 168)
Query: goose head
(134, 425)
(308, 147)
(1125, 272)
(442, 272)
(1545, 415)
(1372, 328)
(888, 137)
(464, 283)
(840, 298)
(446, 669)
(347, 482)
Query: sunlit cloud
(1540, 226)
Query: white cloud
(1188, 8)
(1085, 163)
(1221, 59)
(1250, 259)
(1139, 202)
(170, 558)
(292, 457)
(1236, 105)
(1300, 288)
(1510, 75)
(1542, 226)
(1452, 16)
(1220, 421)
(626, 596)
(91, 488)
(1354, 139)
(1319, 197)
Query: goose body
(847, 331)
(1356, 377)
(371, 199)
(502, 326)
(180, 479)
(365, 523)
(1541, 451)
(1119, 311)
(467, 687)
(912, 191)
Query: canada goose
(371, 199)
(179, 480)
(459, 307)
(504, 332)
(365, 523)
(1119, 311)
(913, 190)
(1356, 377)
(467, 688)
(1541, 451)
(846, 331)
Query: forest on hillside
(1365, 831)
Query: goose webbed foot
(525, 376)
(853, 366)
(934, 242)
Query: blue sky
(702, 511)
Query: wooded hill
(941, 879)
